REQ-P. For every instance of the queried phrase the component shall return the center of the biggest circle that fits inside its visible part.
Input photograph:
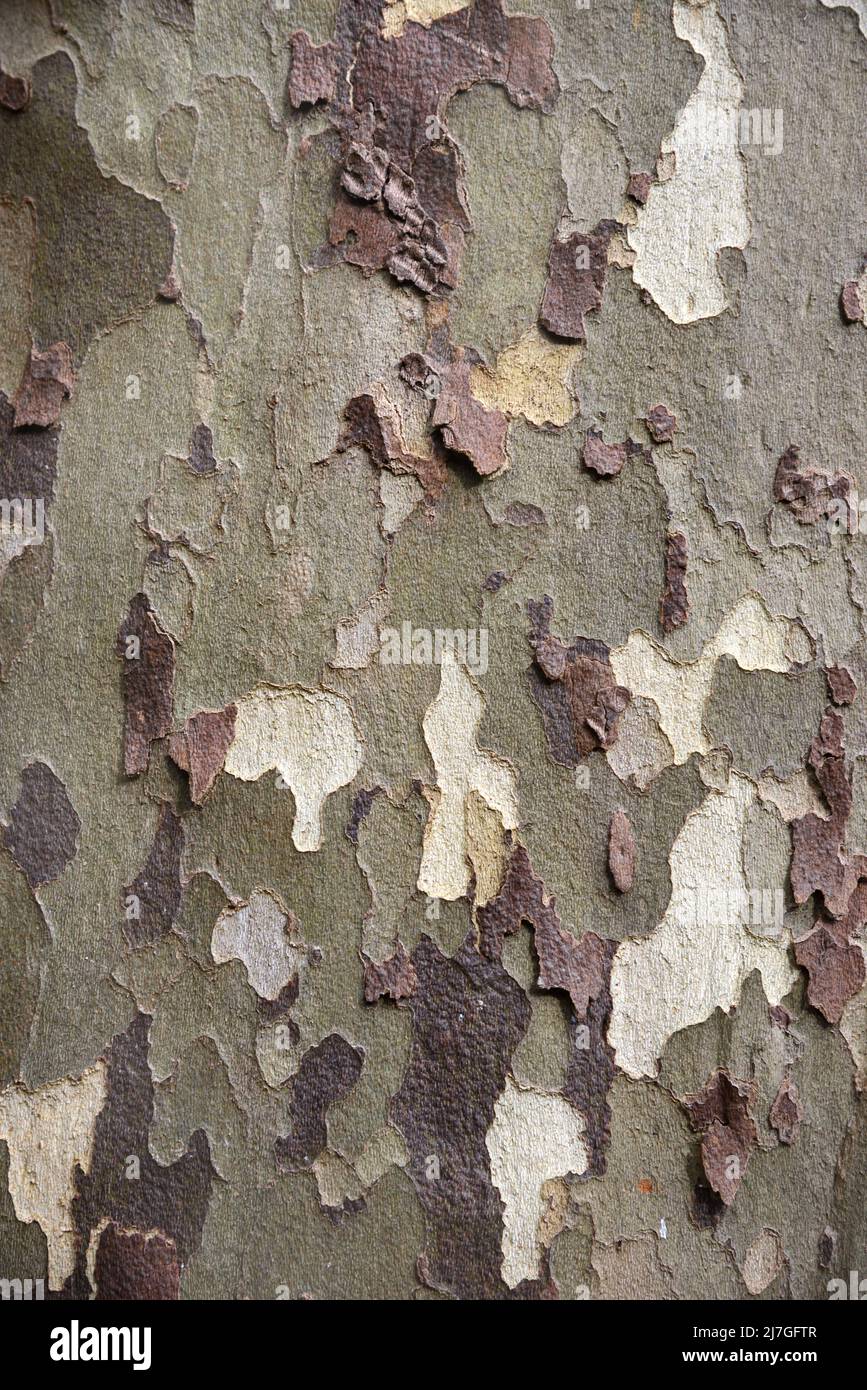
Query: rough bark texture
(432, 648)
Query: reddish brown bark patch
(200, 748)
(577, 270)
(807, 491)
(605, 460)
(639, 186)
(576, 965)
(312, 71)
(581, 706)
(47, 382)
(661, 424)
(42, 834)
(834, 965)
(327, 1072)
(674, 604)
(465, 425)
(15, 92)
(621, 851)
(786, 1112)
(389, 101)
(721, 1114)
(841, 685)
(851, 306)
(157, 891)
(134, 1265)
(395, 977)
(148, 657)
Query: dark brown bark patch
(721, 1114)
(201, 457)
(148, 657)
(809, 493)
(312, 71)
(368, 429)
(395, 977)
(172, 1200)
(581, 706)
(639, 186)
(661, 424)
(577, 270)
(15, 92)
(605, 460)
(834, 965)
(153, 899)
(851, 306)
(135, 1265)
(326, 1073)
(43, 828)
(468, 1016)
(841, 685)
(674, 604)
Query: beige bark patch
(535, 1136)
(399, 497)
(258, 935)
(532, 379)
(397, 14)
(462, 767)
(762, 1262)
(50, 1132)
(701, 952)
(703, 206)
(486, 847)
(309, 738)
(758, 641)
(853, 1026)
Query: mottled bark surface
(433, 746)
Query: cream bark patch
(397, 14)
(689, 217)
(309, 738)
(531, 378)
(701, 952)
(258, 935)
(50, 1133)
(758, 641)
(535, 1136)
(462, 767)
